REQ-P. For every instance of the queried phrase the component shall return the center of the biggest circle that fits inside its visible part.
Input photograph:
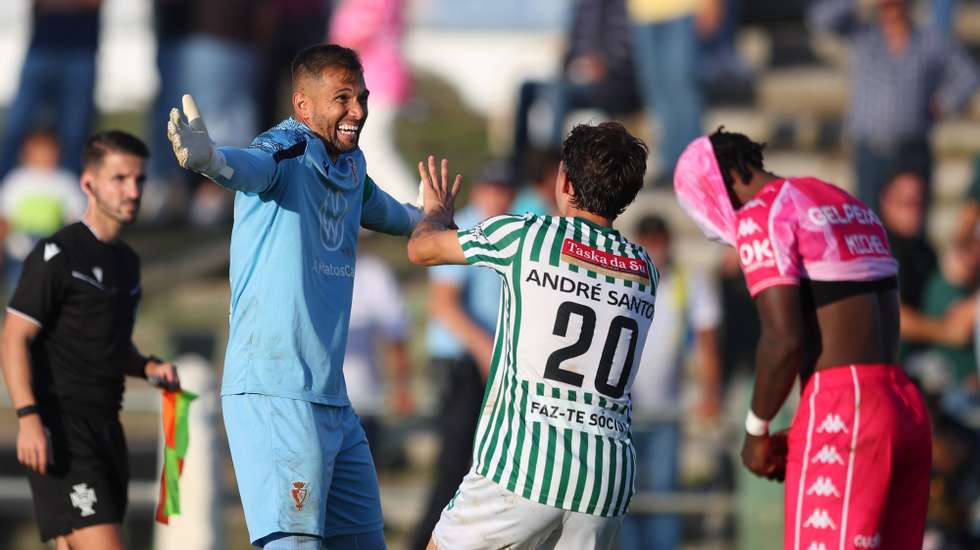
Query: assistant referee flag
(176, 438)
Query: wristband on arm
(27, 410)
(756, 426)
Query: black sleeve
(41, 284)
(135, 364)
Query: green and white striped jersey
(576, 304)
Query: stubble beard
(116, 214)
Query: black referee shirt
(83, 294)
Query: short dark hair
(653, 226)
(605, 165)
(313, 60)
(496, 172)
(736, 151)
(543, 163)
(111, 141)
(899, 173)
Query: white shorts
(485, 516)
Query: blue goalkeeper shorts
(302, 467)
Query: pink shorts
(860, 454)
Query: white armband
(755, 425)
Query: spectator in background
(954, 283)
(57, 79)
(596, 72)
(36, 199)
(968, 226)
(665, 46)
(165, 179)
(720, 66)
(687, 319)
(952, 523)
(902, 213)
(219, 67)
(740, 323)
(377, 317)
(538, 197)
(942, 13)
(290, 26)
(903, 78)
(463, 310)
(375, 28)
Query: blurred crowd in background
(671, 69)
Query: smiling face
(334, 106)
(114, 186)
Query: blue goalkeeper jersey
(293, 248)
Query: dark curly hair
(605, 165)
(736, 151)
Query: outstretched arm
(435, 241)
(248, 169)
(382, 213)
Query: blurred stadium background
(468, 59)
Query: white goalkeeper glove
(192, 145)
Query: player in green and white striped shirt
(553, 463)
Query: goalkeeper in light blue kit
(302, 461)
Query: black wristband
(27, 410)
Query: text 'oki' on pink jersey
(805, 228)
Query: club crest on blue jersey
(299, 492)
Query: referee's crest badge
(299, 492)
(83, 497)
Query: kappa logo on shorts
(832, 424)
(299, 491)
(820, 519)
(828, 455)
(823, 487)
(83, 497)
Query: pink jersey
(805, 228)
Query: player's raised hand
(438, 194)
(192, 145)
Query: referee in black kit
(67, 343)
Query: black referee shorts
(88, 481)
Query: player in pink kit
(858, 454)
